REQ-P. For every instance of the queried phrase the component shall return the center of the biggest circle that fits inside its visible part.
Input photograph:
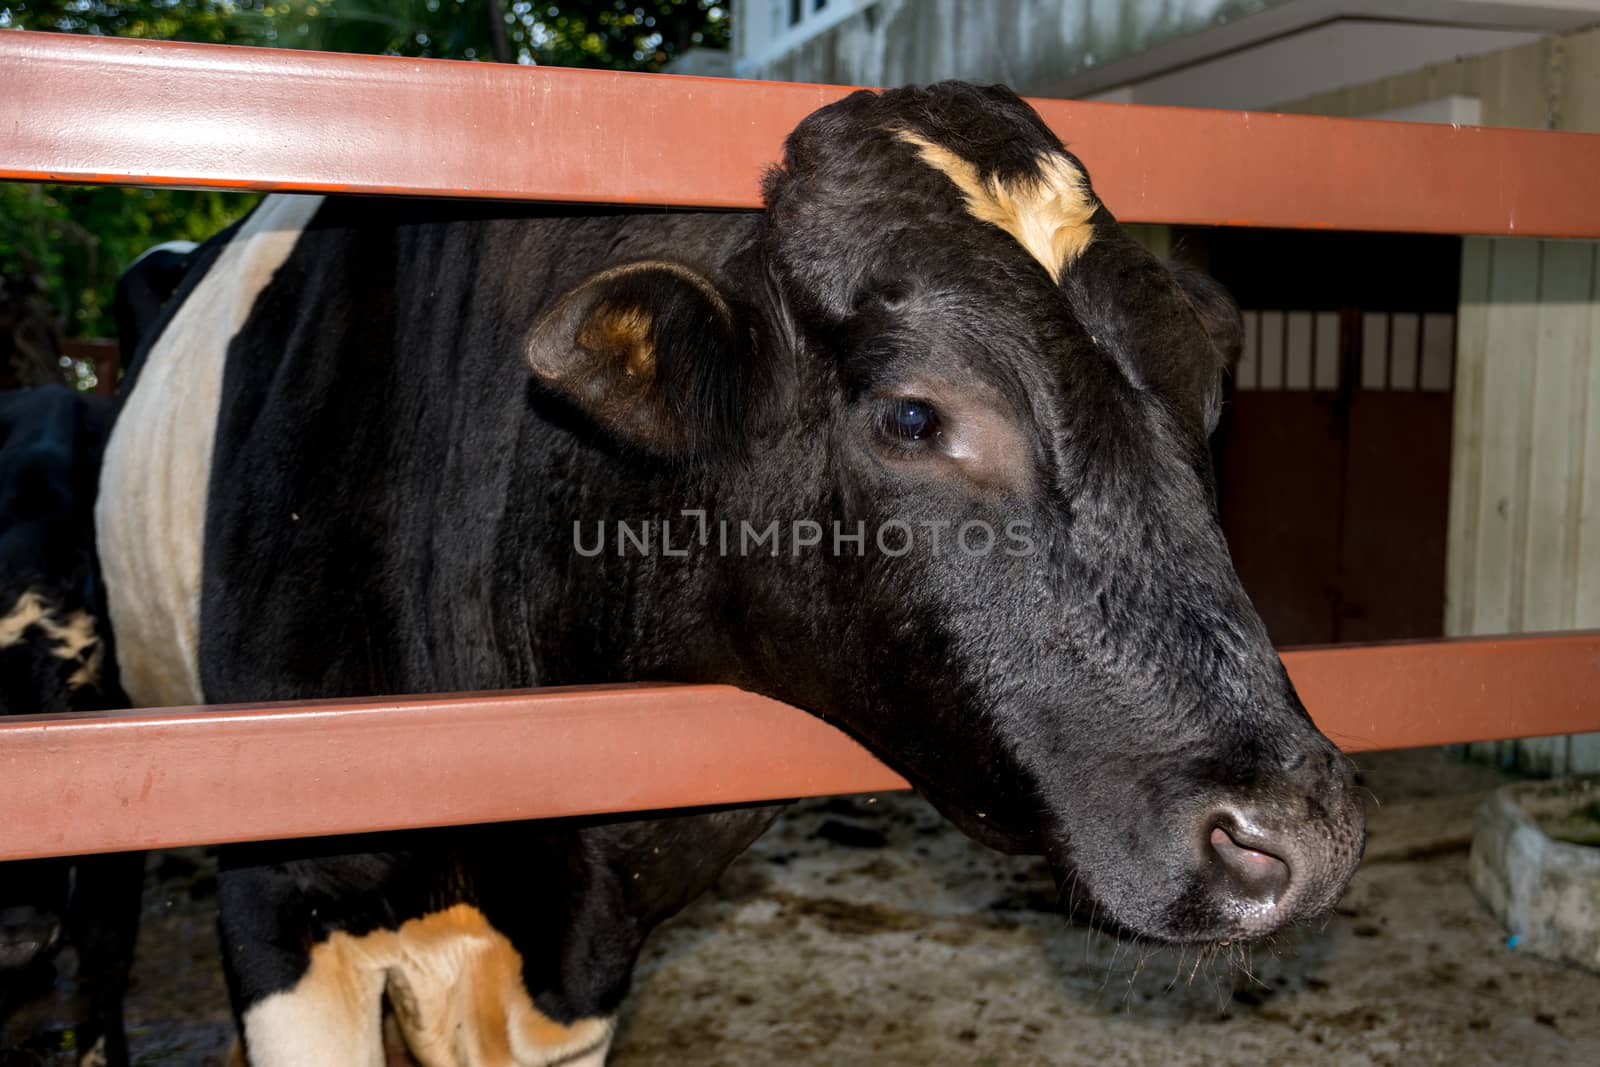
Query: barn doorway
(1333, 455)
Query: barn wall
(1551, 84)
(1524, 538)
(1524, 548)
(1024, 43)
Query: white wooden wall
(1524, 547)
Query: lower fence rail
(100, 782)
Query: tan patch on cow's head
(28, 611)
(73, 638)
(88, 673)
(622, 334)
(1047, 214)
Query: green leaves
(615, 34)
(76, 241)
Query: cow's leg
(296, 1004)
(333, 1016)
(104, 925)
(457, 987)
(455, 982)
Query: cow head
(943, 347)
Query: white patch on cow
(181, 247)
(70, 638)
(150, 516)
(595, 1057)
(456, 987)
(96, 1056)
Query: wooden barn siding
(1524, 537)
(1550, 84)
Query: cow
(144, 289)
(936, 430)
(53, 658)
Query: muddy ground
(866, 931)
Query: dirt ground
(866, 931)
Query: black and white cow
(144, 289)
(53, 656)
(368, 452)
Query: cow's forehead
(989, 125)
(889, 183)
(891, 204)
(1047, 211)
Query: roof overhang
(1296, 31)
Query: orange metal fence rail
(84, 783)
(131, 112)
(82, 109)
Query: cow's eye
(906, 419)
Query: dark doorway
(1333, 457)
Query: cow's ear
(1218, 313)
(651, 351)
(1223, 324)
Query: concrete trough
(1536, 864)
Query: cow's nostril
(1258, 875)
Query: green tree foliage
(616, 34)
(78, 240)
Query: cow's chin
(990, 828)
(1179, 890)
(1211, 869)
(1150, 920)
(1175, 917)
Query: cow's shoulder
(150, 515)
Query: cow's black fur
(51, 440)
(143, 291)
(393, 500)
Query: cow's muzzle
(1282, 853)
